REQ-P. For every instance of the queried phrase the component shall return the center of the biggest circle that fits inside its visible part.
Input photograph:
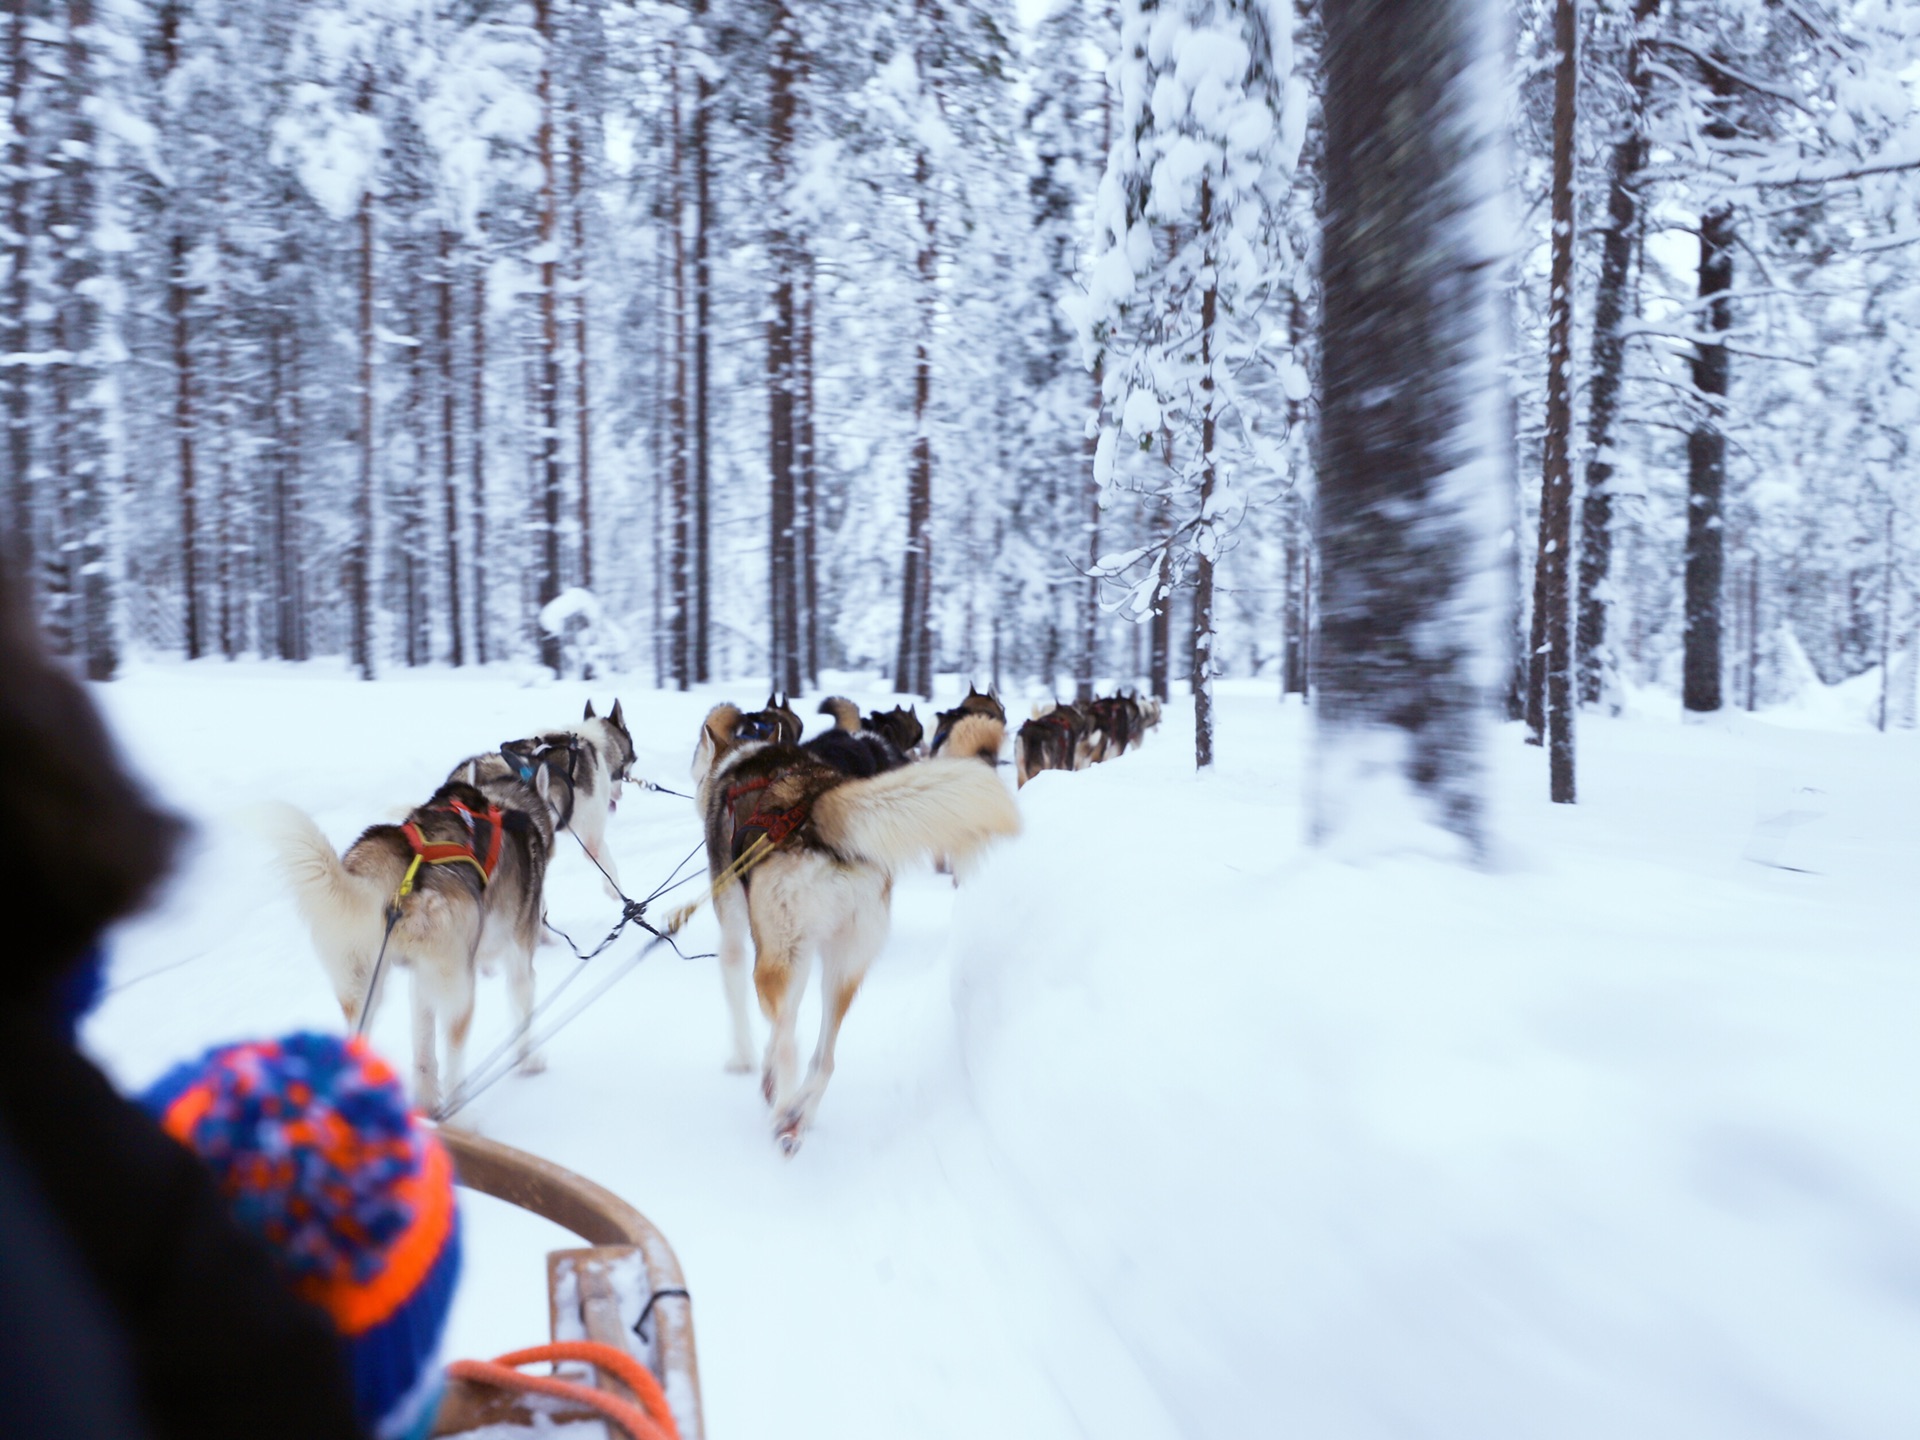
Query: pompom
(309, 1138)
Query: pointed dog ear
(619, 723)
(589, 714)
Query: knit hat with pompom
(311, 1142)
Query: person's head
(82, 845)
(311, 1142)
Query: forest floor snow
(1165, 1124)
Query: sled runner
(590, 1293)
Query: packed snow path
(1167, 1126)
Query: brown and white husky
(831, 845)
(462, 915)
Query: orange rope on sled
(653, 1422)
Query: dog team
(803, 841)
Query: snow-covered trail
(886, 1282)
(1165, 1125)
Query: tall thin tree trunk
(1409, 410)
(910, 676)
(1753, 632)
(583, 395)
(783, 607)
(1707, 460)
(1611, 299)
(1203, 542)
(449, 450)
(684, 619)
(80, 319)
(1886, 622)
(1160, 630)
(1551, 664)
(808, 503)
(15, 327)
(1087, 661)
(548, 373)
(702, 159)
(477, 479)
(361, 551)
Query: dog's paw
(766, 1085)
(790, 1131)
(534, 1064)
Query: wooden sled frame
(579, 1287)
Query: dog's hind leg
(426, 1066)
(730, 906)
(520, 986)
(844, 960)
(780, 975)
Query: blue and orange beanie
(311, 1142)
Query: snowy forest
(750, 338)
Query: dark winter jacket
(217, 1344)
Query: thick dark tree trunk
(547, 383)
(1551, 663)
(1408, 460)
(1612, 302)
(1707, 469)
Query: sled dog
(586, 765)
(472, 902)
(820, 849)
(974, 704)
(851, 747)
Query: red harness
(776, 825)
(481, 848)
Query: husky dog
(852, 747)
(974, 704)
(1056, 738)
(475, 905)
(1116, 725)
(823, 885)
(787, 725)
(901, 725)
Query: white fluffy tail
(937, 807)
(344, 911)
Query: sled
(591, 1291)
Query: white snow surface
(1167, 1125)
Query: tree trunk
(702, 159)
(16, 336)
(449, 449)
(1088, 658)
(477, 479)
(582, 393)
(548, 382)
(783, 601)
(809, 497)
(360, 551)
(80, 321)
(1203, 539)
(913, 674)
(1410, 473)
(1551, 664)
(1707, 467)
(1160, 630)
(684, 619)
(1611, 302)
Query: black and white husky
(586, 766)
